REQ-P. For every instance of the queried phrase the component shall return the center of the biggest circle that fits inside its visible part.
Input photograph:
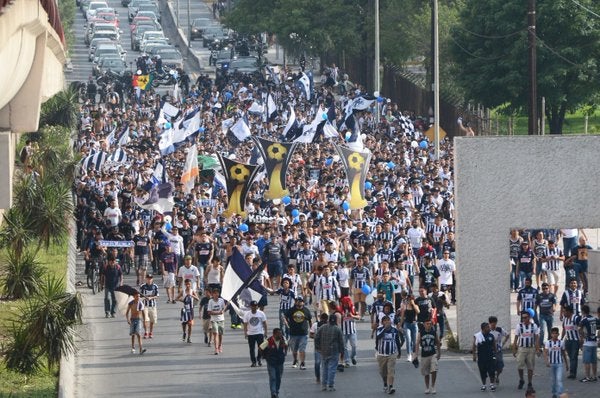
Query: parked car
(136, 35)
(151, 7)
(198, 26)
(170, 57)
(95, 43)
(109, 49)
(93, 7)
(132, 8)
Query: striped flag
(190, 170)
(240, 281)
(95, 161)
(241, 130)
(304, 84)
(118, 156)
(271, 108)
(160, 175)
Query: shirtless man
(136, 319)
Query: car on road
(149, 44)
(214, 32)
(222, 59)
(147, 14)
(136, 35)
(93, 8)
(133, 7)
(245, 65)
(104, 64)
(171, 57)
(100, 27)
(149, 7)
(111, 18)
(109, 49)
(198, 26)
(95, 43)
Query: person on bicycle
(95, 252)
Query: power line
(475, 55)
(490, 37)
(585, 8)
(553, 51)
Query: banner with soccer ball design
(238, 179)
(277, 156)
(356, 165)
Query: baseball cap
(149, 276)
(300, 298)
(253, 302)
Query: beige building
(32, 57)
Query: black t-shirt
(299, 320)
(425, 305)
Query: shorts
(141, 262)
(275, 268)
(169, 280)
(526, 358)
(583, 267)
(135, 327)
(552, 277)
(298, 343)
(217, 326)
(359, 296)
(151, 314)
(429, 365)
(499, 361)
(206, 325)
(589, 354)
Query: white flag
(241, 130)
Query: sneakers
(145, 335)
(409, 358)
(353, 361)
(385, 388)
(259, 363)
(189, 340)
(346, 365)
(184, 336)
(427, 391)
(433, 390)
(253, 365)
(106, 315)
(295, 365)
(585, 380)
(521, 384)
(483, 388)
(302, 366)
(112, 315)
(150, 335)
(133, 350)
(492, 387)
(331, 388)
(323, 388)
(143, 351)
(391, 390)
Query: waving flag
(238, 179)
(271, 108)
(304, 84)
(190, 170)
(292, 129)
(356, 165)
(186, 127)
(160, 176)
(124, 138)
(118, 156)
(274, 75)
(240, 130)
(95, 161)
(239, 281)
(158, 198)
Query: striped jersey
(296, 285)
(187, 312)
(359, 276)
(305, 259)
(387, 341)
(149, 290)
(526, 334)
(499, 335)
(570, 327)
(348, 324)
(514, 247)
(328, 288)
(574, 299)
(437, 232)
(589, 326)
(286, 299)
(553, 264)
(539, 247)
(527, 296)
(554, 349)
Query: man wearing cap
(525, 262)
(298, 319)
(255, 329)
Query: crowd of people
(323, 264)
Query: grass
(574, 124)
(44, 383)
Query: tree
(490, 51)
(61, 109)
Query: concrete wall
(594, 279)
(514, 182)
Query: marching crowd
(390, 264)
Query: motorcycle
(168, 78)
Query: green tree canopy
(490, 52)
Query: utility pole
(436, 81)
(533, 119)
(376, 71)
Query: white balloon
(336, 158)
(168, 219)
(414, 144)
(376, 94)
(276, 201)
(369, 300)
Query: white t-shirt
(255, 322)
(113, 216)
(343, 276)
(217, 305)
(189, 273)
(415, 237)
(569, 232)
(446, 268)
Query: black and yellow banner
(277, 156)
(238, 179)
(356, 165)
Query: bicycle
(93, 276)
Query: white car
(93, 8)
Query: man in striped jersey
(387, 345)
(573, 298)
(286, 301)
(360, 276)
(552, 258)
(570, 335)
(328, 289)
(349, 317)
(589, 338)
(554, 355)
(526, 297)
(525, 346)
(150, 292)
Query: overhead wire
(585, 8)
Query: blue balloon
(296, 220)
(168, 227)
(368, 185)
(423, 144)
(380, 99)
(391, 165)
(346, 206)
(348, 135)
(366, 289)
(243, 227)
(319, 215)
(286, 200)
(328, 161)
(324, 116)
(167, 125)
(531, 312)
(295, 213)
(201, 129)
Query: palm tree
(21, 275)
(19, 355)
(50, 318)
(17, 231)
(61, 110)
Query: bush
(20, 356)
(21, 277)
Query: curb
(66, 377)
